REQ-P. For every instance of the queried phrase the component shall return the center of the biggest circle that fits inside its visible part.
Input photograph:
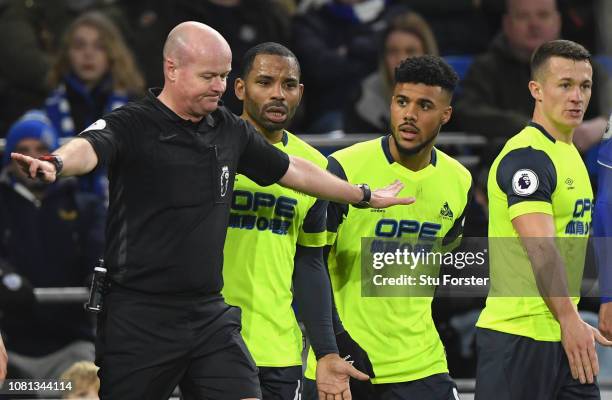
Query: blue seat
(606, 61)
(460, 64)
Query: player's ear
(239, 88)
(446, 115)
(536, 90)
(301, 92)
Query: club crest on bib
(525, 182)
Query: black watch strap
(56, 161)
(367, 196)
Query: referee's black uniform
(165, 322)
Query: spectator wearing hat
(51, 234)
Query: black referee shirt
(171, 184)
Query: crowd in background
(68, 62)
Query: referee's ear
(239, 88)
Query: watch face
(56, 161)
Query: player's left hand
(387, 196)
(333, 374)
(605, 320)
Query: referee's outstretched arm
(306, 177)
(537, 233)
(76, 157)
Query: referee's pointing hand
(34, 168)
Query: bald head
(190, 40)
(197, 61)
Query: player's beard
(270, 126)
(418, 148)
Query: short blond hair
(83, 376)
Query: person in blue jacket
(602, 230)
(50, 235)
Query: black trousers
(512, 367)
(281, 383)
(434, 387)
(148, 344)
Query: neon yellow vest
(514, 305)
(398, 333)
(265, 225)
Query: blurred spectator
(84, 379)
(243, 23)
(407, 35)
(496, 102)
(94, 73)
(461, 26)
(22, 79)
(31, 31)
(337, 46)
(52, 235)
(150, 22)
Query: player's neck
(414, 162)
(272, 137)
(562, 133)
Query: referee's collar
(387, 150)
(152, 96)
(543, 130)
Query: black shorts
(148, 344)
(512, 367)
(281, 383)
(434, 387)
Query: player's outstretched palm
(333, 375)
(387, 196)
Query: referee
(283, 232)
(172, 158)
(531, 341)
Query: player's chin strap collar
(55, 160)
(367, 196)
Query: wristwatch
(56, 161)
(367, 196)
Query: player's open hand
(578, 339)
(387, 196)
(34, 168)
(333, 375)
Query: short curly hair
(429, 70)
